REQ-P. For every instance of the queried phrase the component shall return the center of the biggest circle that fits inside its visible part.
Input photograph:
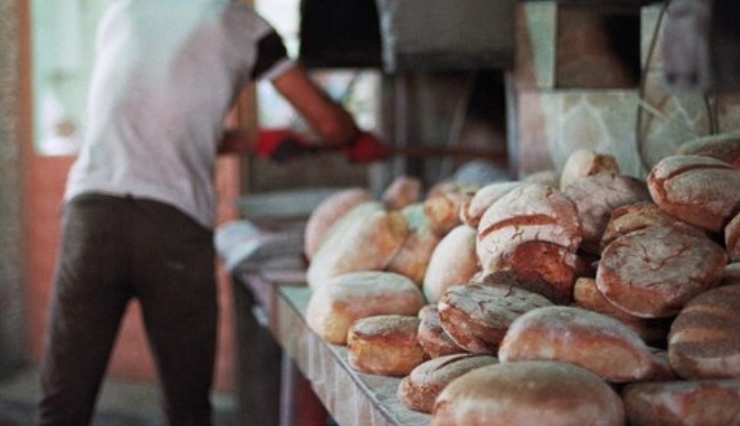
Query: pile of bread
(592, 299)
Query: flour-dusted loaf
(412, 258)
(327, 212)
(596, 196)
(530, 212)
(453, 261)
(582, 163)
(401, 192)
(684, 402)
(443, 211)
(346, 298)
(732, 239)
(528, 393)
(385, 345)
(420, 388)
(477, 315)
(542, 267)
(727, 150)
(704, 340)
(652, 330)
(569, 334)
(653, 272)
(700, 190)
(472, 210)
(365, 239)
(641, 215)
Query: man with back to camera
(139, 205)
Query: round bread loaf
(401, 192)
(699, 403)
(596, 196)
(473, 209)
(591, 340)
(704, 339)
(477, 315)
(641, 215)
(582, 163)
(700, 190)
(653, 272)
(541, 267)
(443, 211)
(420, 388)
(727, 150)
(327, 212)
(412, 259)
(530, 212)
(652, 330)
(365, 239)
(528, 393)
(346, 298)
(453, 261)
(432, 336)
(732, 239)
(384, 345)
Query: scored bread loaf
(530, 212)
(596, 196)
(384, 345)
(432, 336)
(653, 272)
(727, 150)
(591, 340)
(700, 190)
(473, 209)
(420, 388)
(346, 298)
(528, 393)
(327, 212)
(704, 339)
(365, 239)
(453, 261)
(477, 315)
(685, 402)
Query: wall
(638, 122)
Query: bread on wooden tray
(528, 393)
(385, 345)
(346, 298)
(420, 388)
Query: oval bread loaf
(432, 336)
(528, 393)
(591, 340)
(384, 345)
(453, 261)
(582, 162)
(346, 298)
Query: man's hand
(281, 145)
(366, 149)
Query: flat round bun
(528, 393)
(384, 345)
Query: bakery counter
(351, 397)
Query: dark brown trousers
(115, 250)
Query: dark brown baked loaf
(591, 340)
(700, 190)
(384, 345)
(530, 212)
(675, 403)
(704, 340)
(420, 388)
(477, 315)
(653, 272)
(432, 336)
(528, 393)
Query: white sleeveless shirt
(165, 76)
